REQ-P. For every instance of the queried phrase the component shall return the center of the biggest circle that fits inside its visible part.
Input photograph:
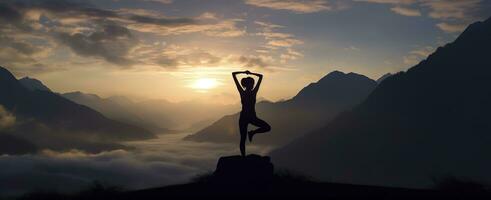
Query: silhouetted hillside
(233, 178)
(382, 78)
(46, 119)
(311, 108)
(33, 84)
(431, 121)
(10, 144)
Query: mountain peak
(339, 84)
(337, 75)
(5, 75)
(443, 101)
(475, 28)
(33, 84)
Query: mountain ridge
(390, 138)
(335, 92)
(33, 84)
(44, 118)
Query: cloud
(27, 27)
(288, 42)
(7, 119)
(277, 42)
(171, 161)
(389, 1)
(297, 6)
(417, 55)
(442, 9)
(406, 11)
(218, 28)
(22, 53)
(352, 48)
(255, 61)
(175, 56)
(160, 1)
(451, 28)
(275, 38)
(456, 9)
(453, 14)
(112, 43)
(290, 54)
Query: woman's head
(247, 83)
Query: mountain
(185, 115)
(379, 80)
(116, 108)
(311, 108)
(112, 107)
(158, 115)
(33, 84)
(431, 121)
(49, 120)
(10, 144)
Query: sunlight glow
(205, 83)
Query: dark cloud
(11, 17)
(88, 31)
(8, 13)
(162, 21)
(167, 62)
(64, 8)
(20, 46)
(19, 56)
(112, 43)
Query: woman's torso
(248, 100)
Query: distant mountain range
(310, 109)
(115, 108)
(156, 115)
(48, 120)
(429, 122)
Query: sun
(205, 83)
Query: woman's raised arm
(260, 76)
(239, 87)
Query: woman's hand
(247, 72)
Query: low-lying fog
(152, 163)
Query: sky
(184, 50)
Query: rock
(252, 169)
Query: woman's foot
(250, 134)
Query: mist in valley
(165, 160)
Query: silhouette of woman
(248, 116)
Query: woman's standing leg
(243, 135)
